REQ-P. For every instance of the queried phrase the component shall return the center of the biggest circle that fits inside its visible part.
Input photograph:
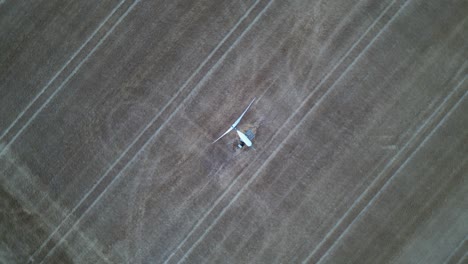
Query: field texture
(108, 111)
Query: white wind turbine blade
(244, 138)
(247, 141)
(245, 111)
(229, 130)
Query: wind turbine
(242, 136)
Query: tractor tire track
(66, 72)
(151, 130)
(236, 188)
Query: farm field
(108, 111)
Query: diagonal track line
(67, 63)
(147, 141)
(293, 116)
(347, 54)
(404, 149)
(444, 99)
(437, 197)
(75, 70)
(462, 247)
(214, 67)
(61, 86)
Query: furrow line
(36, 252)
(458, 253)
(34, 103)
(399, 161)
(257, 17)
(148, 133)
(293, 116)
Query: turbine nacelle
(244, 138)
